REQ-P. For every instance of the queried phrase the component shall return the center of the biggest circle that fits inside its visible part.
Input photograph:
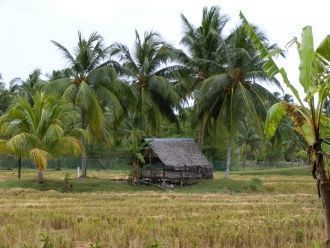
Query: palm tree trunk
(40, 176)
(83, 158)
(142, 93)
(202, 133)
(244, 161)
(323, 184)
(19, 166)
(136, 171)
(324, 190)
(228, 161)
(83, 143)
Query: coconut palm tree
(93, 87)
(27, 88)
(6, 96)
(40, 129)
(203, 44)
(150, 78)
(18, 87)
(227, 75)
(2, 83)
(57, 74)
(247, 140)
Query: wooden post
(185, 170)
(150, 173)
(19, 166)
(181, 178)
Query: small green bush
(300, 236)
(96, 245)
(156, 244)
(255, 184)
(67, 184)
(46, 241)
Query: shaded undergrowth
(109, 185)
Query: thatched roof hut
(175, 158)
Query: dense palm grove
(213, 89)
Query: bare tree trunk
(244, 164)
(244, 159)
(83, 158)
(228, 162)
(324, 190)
(83, 143)
(136, 172)
(323, 185)
(142, 105)
(202, 133)
(19, 166)
(40, 176)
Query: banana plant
(307, 114)
(135, 146)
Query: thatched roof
(178, 152)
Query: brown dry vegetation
(285, 214)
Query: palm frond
(95, 117)
(84, 96)
(57, 87)
(67, 55)
(39, 157)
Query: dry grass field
(280, 211)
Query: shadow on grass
(77, 185)
(108, 185)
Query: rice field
(284, 211)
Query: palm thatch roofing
(178, 153)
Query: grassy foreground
(282, 211)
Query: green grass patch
(294, 171)
(224, 185)
(77, 185)
(288, 180)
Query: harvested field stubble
(161, 219)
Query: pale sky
(27, 26)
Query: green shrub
(96, 245)
(67, 184)
(316, 244)
(156, 244)
(255, 184)
(46, 241)
(299, 236)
